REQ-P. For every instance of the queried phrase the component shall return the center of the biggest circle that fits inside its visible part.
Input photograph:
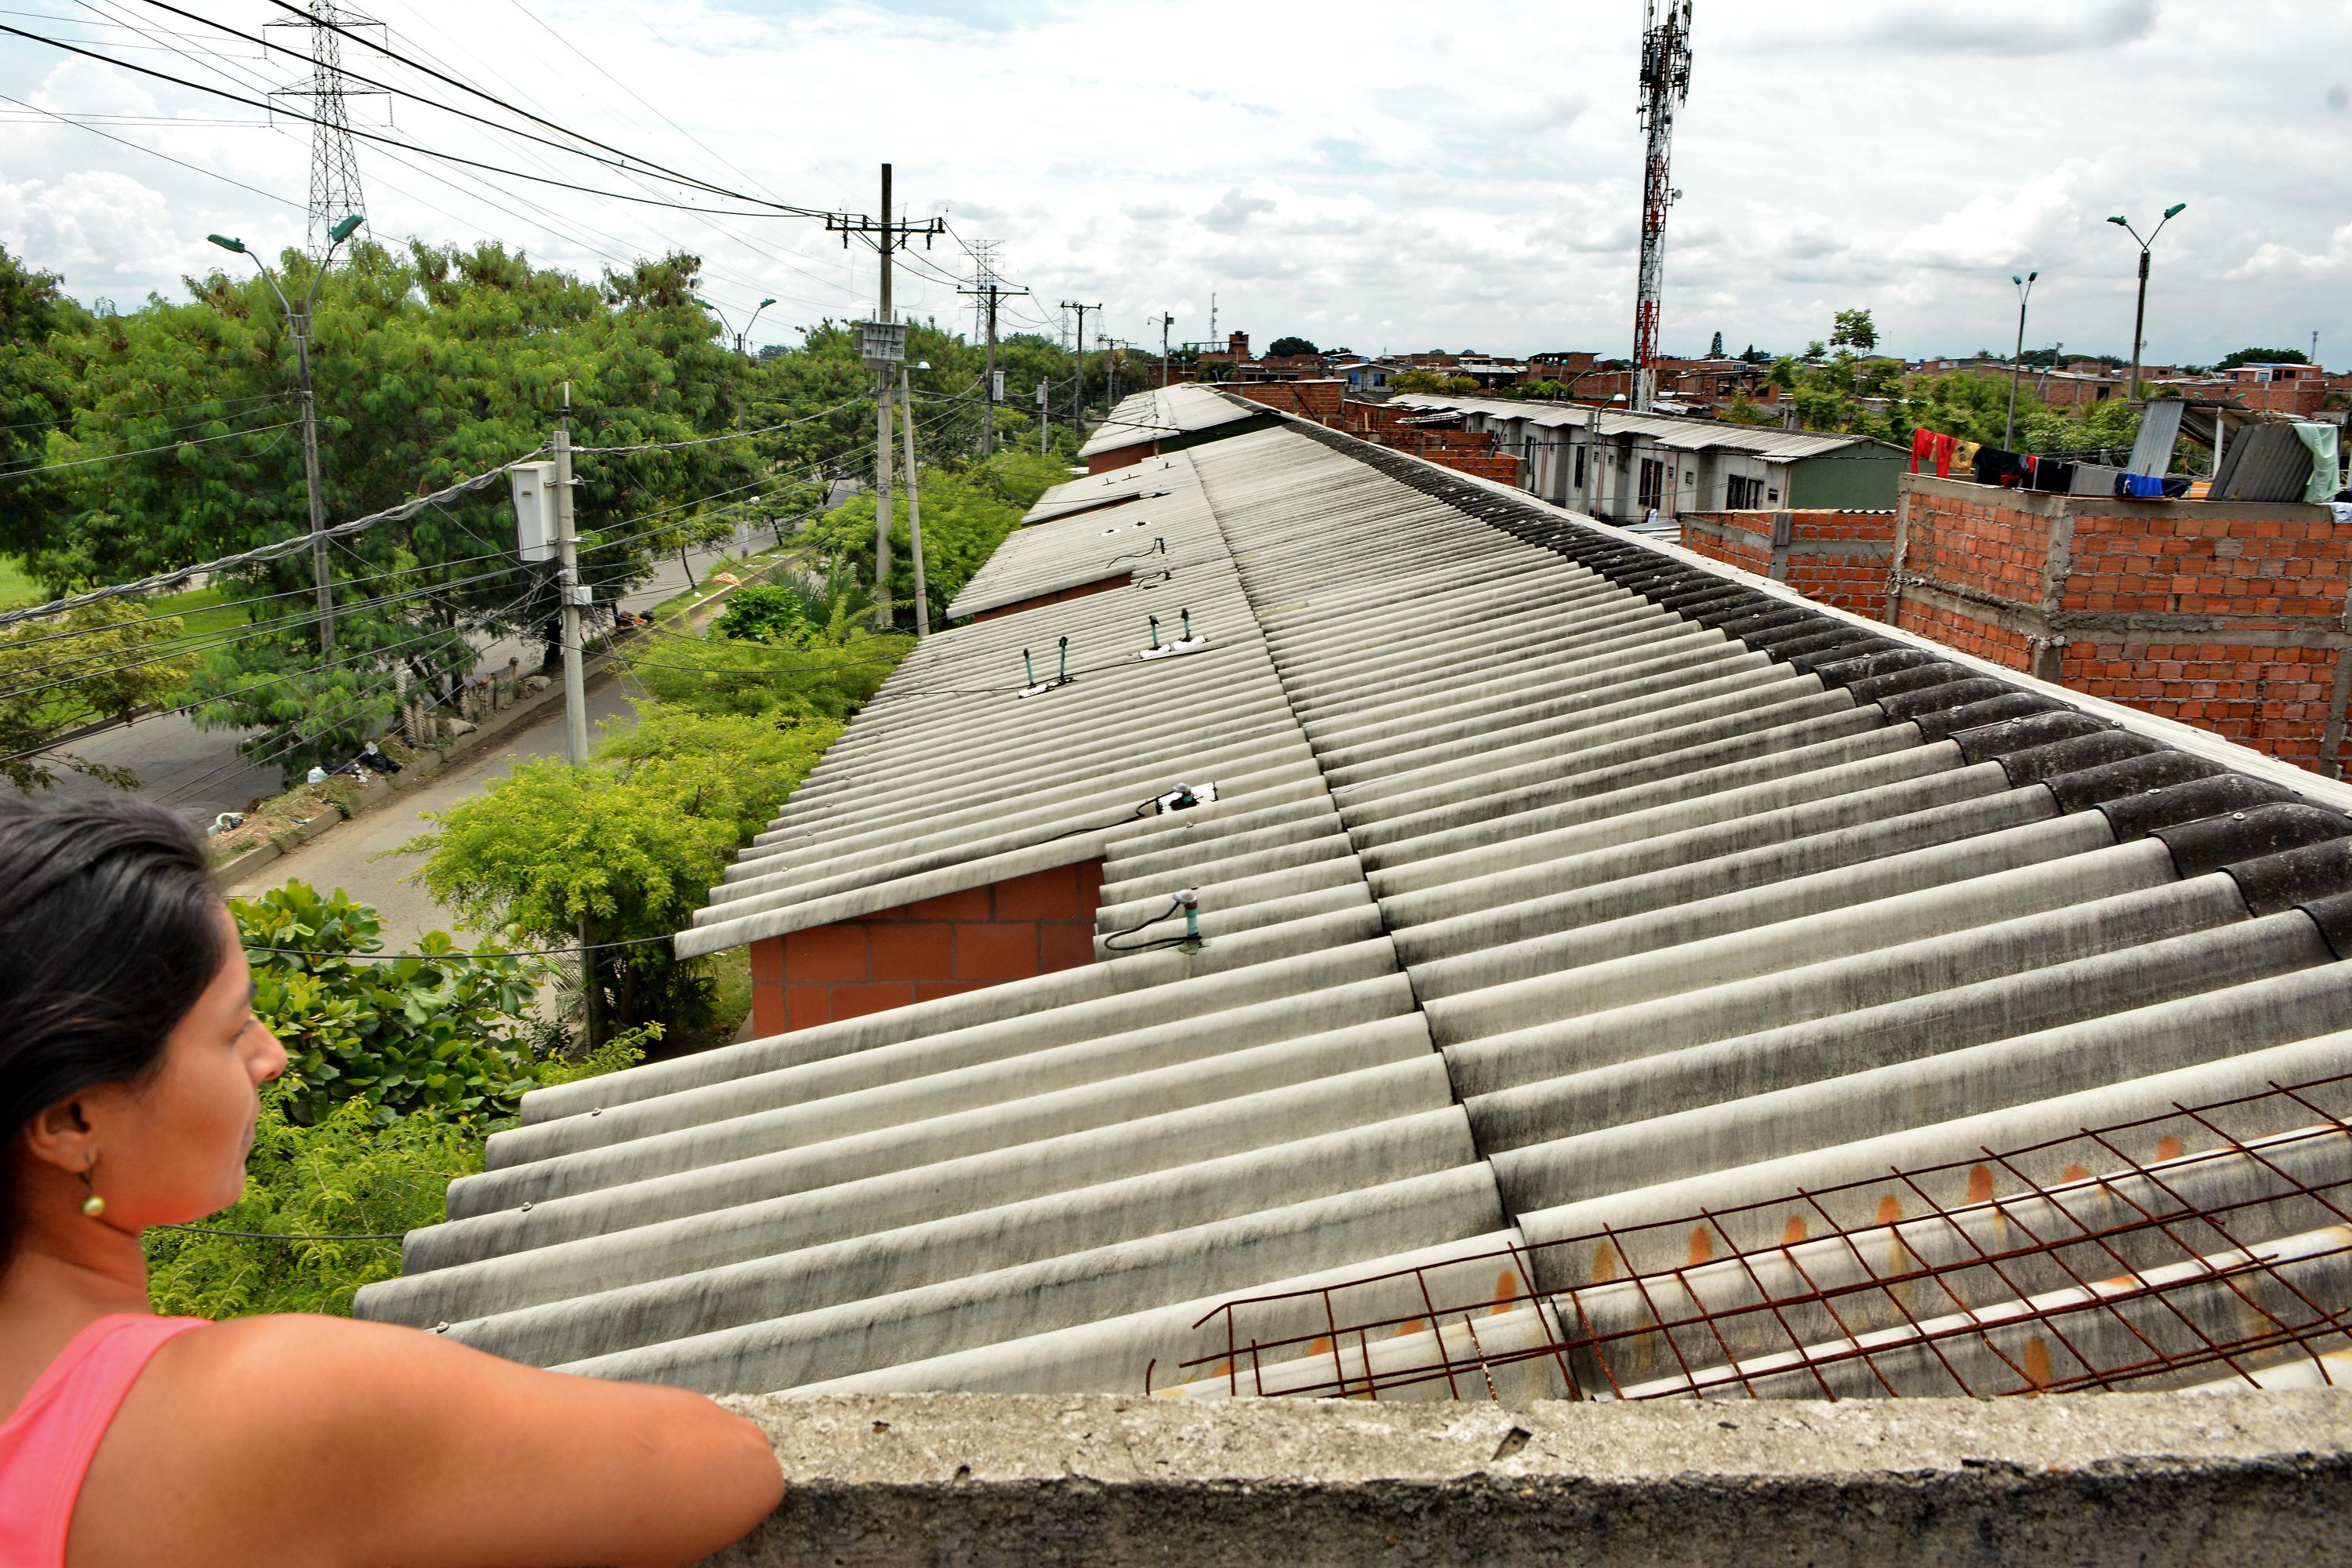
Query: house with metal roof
(1617, 466)
(1407, 939)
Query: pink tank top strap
(46, 1446)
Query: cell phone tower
(334, 160)
(1665, 87)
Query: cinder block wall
(1837, 557)
(982, 936)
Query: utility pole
(1078, 354)
(2017, 360)
(1163, 324)
(575, 700)
(914, 510)
(298, 326)
(986, 292)
(1044, 417)
(886, 229)
(1110, 347)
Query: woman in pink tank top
(129, 1058)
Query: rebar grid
(2226, 1256)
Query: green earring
(92, 1206)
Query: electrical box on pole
(881, 343)
(997, 386)
(534, 505)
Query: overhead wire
(144, 451)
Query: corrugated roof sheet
(1684, 435)
(1176, 410)
(1557, 880)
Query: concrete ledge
(979, 1480)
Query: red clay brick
(769, 1015)
(768, 961)
(932, 991)
(1064, 944)
(971, 904)
(913, 950)
(875, 996)
(806, 1006)
(995, 951)
(830, 953)
(1048, 895)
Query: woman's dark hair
(110, 931)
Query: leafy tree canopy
(1854, 329)
(1290, 346)
(2232, 360)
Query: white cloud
(1485, 189)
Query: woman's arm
(315, 1440)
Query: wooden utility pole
(1078, 377)
(1163, 324)
(886, 231)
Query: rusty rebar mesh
(2209, 1243)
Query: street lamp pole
(2017, 360)
(298, 325)
(742, 336)
(2139, 313)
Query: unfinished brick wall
(2230, 617)
(1317, 400)
(1059, 596)
(983, 936)
(1121, 457)
(1837, 557)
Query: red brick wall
(1837, 557)
(2228, 617)
(1316, 400)
(1037, 600)
(1120, 457)
(983, 936)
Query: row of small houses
(1673, 465)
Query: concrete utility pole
(569, 589)
(297, 325)
(2139, 312)
(914, 510)
(2017, 360)
(987, 291)
(1078, 354)
(1044, 417)
(1163, 324)
(887, 230)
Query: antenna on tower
(1666, 85)
(334, 159)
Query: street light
(749, 324)
(299, 323)
(2016, 361)
(2139, 314)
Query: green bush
(322, 1200)
(451, 1033)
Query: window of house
(1579, 465)
(1742, 494)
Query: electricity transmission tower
(1666, 85)
(334, 158)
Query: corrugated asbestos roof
(1176, 410)
(1557, 879)
(1088, 529)
(1682, 435)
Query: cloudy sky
(1377, 175)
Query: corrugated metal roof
(1558, 880)
(1176, 410)
(1682, 435)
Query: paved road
(198, 772)
(361, 855)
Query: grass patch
(204, 611)
(15, 588)
(679, 602)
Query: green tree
(1290, 345)
(73, 672)
(1419, 380)
(2237, 357)
(1854, 330)
(36, 397)
(631, 845)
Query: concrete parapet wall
(980, 1480)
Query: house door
(1654, 483)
